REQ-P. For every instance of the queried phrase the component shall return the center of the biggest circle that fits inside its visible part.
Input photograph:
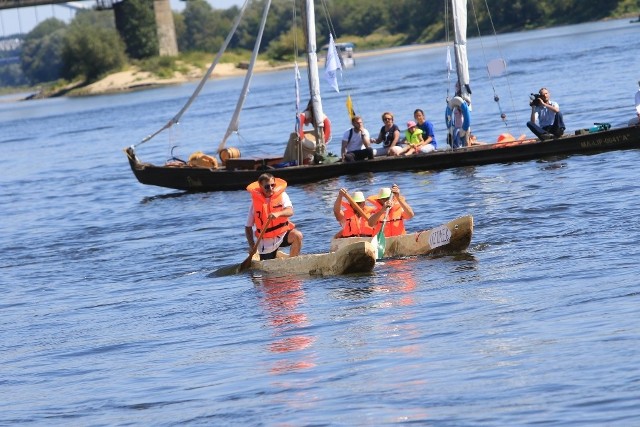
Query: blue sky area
(23, 20)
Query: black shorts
(284, 244)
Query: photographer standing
(547, 114)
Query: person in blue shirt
(428, 135)
(546, 119)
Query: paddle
(379, 240)
(247, 262)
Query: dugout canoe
(453, 236)
(354, 257)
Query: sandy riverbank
(134, 79)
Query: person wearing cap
(399, 211)
(356, 144)
(352, 223)
(636, 120)
(413, 138)
(428, 134)
(269, 200)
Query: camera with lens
(536, 99)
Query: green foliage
(41, 56)
(162, 66)
(44, 28)
(200, 23)
(283, 48)
(138, 28)
(92, 47)
(11, 75)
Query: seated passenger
(413, 139)
(355, 142)
(428, 135)
(389, 136)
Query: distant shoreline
(134, 79)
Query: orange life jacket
(395, 220)
(262, 209)
(355, 225)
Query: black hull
(202, 179)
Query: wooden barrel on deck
(229, 153)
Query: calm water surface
(111, 313)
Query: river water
(112, 315)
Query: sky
(23, 20)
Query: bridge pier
(166, 30)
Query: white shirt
(269, 244)
(546, 116)
(357, 139)
(638, 101)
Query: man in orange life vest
(269, 200)
(351, 222)
(398, 212)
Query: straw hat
(384, 193)
(358, 197)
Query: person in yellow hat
(399, 211)
(350, 219)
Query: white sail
(235, 119)
(459, 10)
(314, 79)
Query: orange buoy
(229, 153)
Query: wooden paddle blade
(246, 264)
(382, 245)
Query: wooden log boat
(356, 257)
(454, 236)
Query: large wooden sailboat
(235, 173)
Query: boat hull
(454, 236)
(357, 257)
(203, 179)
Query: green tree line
(91, 45)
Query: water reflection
(397, 280)
(282, 299)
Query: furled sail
(459, 11)
(314, 79)
(235, 120)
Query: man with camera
(547, 115)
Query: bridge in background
(164, 17)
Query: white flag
(332, 65)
